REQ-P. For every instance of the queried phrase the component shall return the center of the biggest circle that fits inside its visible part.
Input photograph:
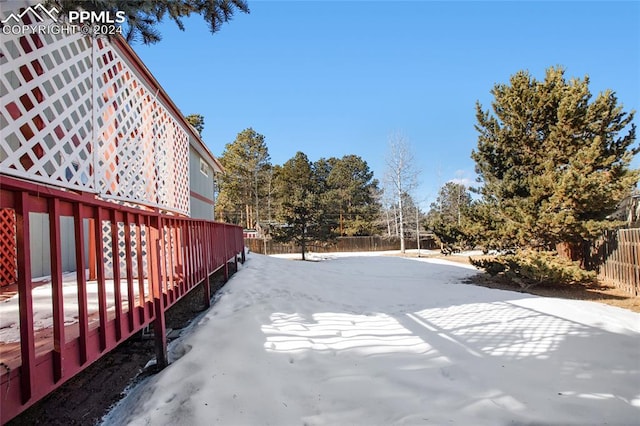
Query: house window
(204, 168)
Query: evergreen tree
(302, 214)
(197, 121)
(322, 172)
(243, 186)
(414, 218)
(448, 217)
(553, 162)
(352, 192)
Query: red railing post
(243, 255)
(100, 276)
(159, 325)
(179, 281)
(129, 271)
(225, 254)
(140, 260)
(234, 249)
(27, 340)
(57, 290)
(151, 268)
(81, 282)
(206, 237)
(166, 251)
(92, 249)
(197, 252)
(115, 256)
(188, 253)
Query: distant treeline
(341, 244)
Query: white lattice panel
(107, 250)
(172, 255)
(45, 85)
(74, 114)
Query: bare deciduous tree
(401, 176)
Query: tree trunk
(402, 246)
(395, 220)
(418, 231)
(388, 224)
(574, 251)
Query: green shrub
(528, 268)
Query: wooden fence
(616, 258)
(342, 244)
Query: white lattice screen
(107, 250)
(74, 114)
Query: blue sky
(339, 77)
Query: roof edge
(128, 51)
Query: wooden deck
(156, 259)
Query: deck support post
(159, 325)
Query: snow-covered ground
(388, 340)
(43, 303)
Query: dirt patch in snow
(87, 397)
(602, 292)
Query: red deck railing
(131, 265)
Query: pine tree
(553, 162)
(448, 217)
(243, 186)
(302, 211)
(197, 121)
(352, 193)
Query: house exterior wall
(84, 114)
(91, 145)
(165, 258)
(41, 247)
(202, 186)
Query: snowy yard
(42, 295)
(389, 340)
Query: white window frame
(204, 167)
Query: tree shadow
(560, 365)
(468, 355)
